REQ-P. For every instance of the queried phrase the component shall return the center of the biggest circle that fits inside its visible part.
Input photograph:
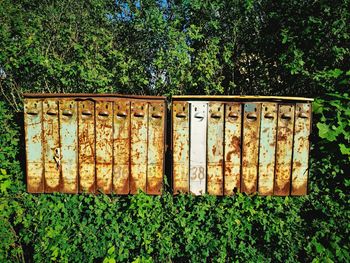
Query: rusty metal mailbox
(223, 144)
(94, 142)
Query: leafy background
(298, 48)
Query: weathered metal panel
(251, 128)
(52, 150)
(215, 151)
(33, 139)
(301, 148)
(121, 142)
(155, 157)
(268, 128)
(69, 145)
(180, 132)
(86, 141)
(104, 145)
(139, 135)
(284, 149)
(233, 122)
(198, 143)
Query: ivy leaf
(344, 149)
(335, 73)
(111, 250)
(325, 132)
(317, 106)
(4, 186)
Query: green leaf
(325, 132)
(344, 149)
(5, 185)
(111, 250)
(317, 106)
(335, 73)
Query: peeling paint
(139, 145)
(52, 149)
(69, 145)
(215, 149)
(284, 149)
(104, 145)
(180, 133)
(301, 149)
(156, 117)
(34, 145)
(233, 123)
(121, 144)
(86, 141)
(251, 129)
(267, 148)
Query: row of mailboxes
(89, 143)
(113, 143)
(250, 144)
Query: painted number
(197, 172)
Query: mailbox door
(156, 117)
(251, 128)
(69, 145)
(233, 122)
(180, 134)
(215, 153)
(198, 143)
(121, 144)
(284, 149)
(301, 148)
(267, 148)
(86, 141)
(34, 138)
(104, 145)
(52, 149)
(139, 135)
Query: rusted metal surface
(284, 149)
(139, 143)
(256, 152)
(198, 147)
(69, 145)
(52, 150)
(109, 142)
(121, 144)
(86, 141)
(301, 148)
(180, 132)
(268, 128)
(155, 156)
(104, 145)
(215, 151)
(251, 129)
(34, 139)
(232, 171)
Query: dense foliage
(178, 47)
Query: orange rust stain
(229, 156)
(214, 150)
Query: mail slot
(92, 143)
(251, 144)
